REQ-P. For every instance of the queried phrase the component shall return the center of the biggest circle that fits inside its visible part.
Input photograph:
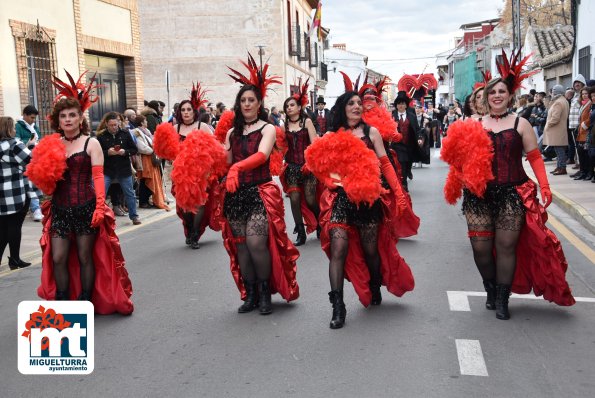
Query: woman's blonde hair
(7, 128)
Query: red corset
(75, 189)
(298, 141)
(244, 146)
(507, 164)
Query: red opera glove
(99, 184)
(233, 175)
(391, 177)
(536, 162)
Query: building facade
(585, 39)
(197, 41)
(42, 39)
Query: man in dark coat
(407, 150)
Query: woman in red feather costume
(512, 247)
(81, 253)
(262, 258)
(194, 221)
(355, 212)
(376, 115)
(298, 183)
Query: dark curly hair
(302, 116)
(238, 122)
(179, 112)
(339, 116)
(67, 103)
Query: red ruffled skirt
(283, 253)
(112, 286)
(396, 274)
(541, 264)
(310, 220)
(208, 219)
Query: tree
(544, 13)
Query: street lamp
(260, 52)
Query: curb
(34, 256)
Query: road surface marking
(459, 300)
(572, 238)
(471, 360)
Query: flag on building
(316, 24)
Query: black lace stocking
(85, 244)
(482, 245)
(369, 241)
(257, 239)
(296, 209)
(60, 248)
(310, 196)
(339, 249)
(508, 230)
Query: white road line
(471, 360)
(459, 300)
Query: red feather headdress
(258, 76)
(302, 96)
(487, 76)
(77, 90)
(511, 70)
(349, 86)
(197, 96)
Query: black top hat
(320, 100)
(402, 97)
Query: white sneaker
(37, 216)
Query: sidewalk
(577, 198)
(30, 250)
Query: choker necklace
(251, 123)
(294, 121)
(70, 139)
(501, 116)
(356, 126)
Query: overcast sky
(389, 31)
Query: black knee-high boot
(251, 298)
(490, 287)
(339, 311)
(502, 296)
(61, 295)
(264, 300)
(375, 289)
(301, 234)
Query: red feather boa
(166, 142)
(196, 165)
(278, 152)
(224, 124)
(48, 163)
(346, 155)
(380, 118)
(469, 152)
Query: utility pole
(516, 24)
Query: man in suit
(407, 150)
(323, 120)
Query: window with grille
(584, 62)
(41, 65)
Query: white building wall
(52, 14)
(352, 64)
(106, 21)
(585, 34)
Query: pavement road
(185, 338)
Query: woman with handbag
(149, 173)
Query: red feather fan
(511, 70)
(469, 152)
(166, 142)
(381, 118)
(278, 152)
(194, 168)
(224, 124)
(48, 163)
(258, 76)
(79, 91)
(344, 154)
